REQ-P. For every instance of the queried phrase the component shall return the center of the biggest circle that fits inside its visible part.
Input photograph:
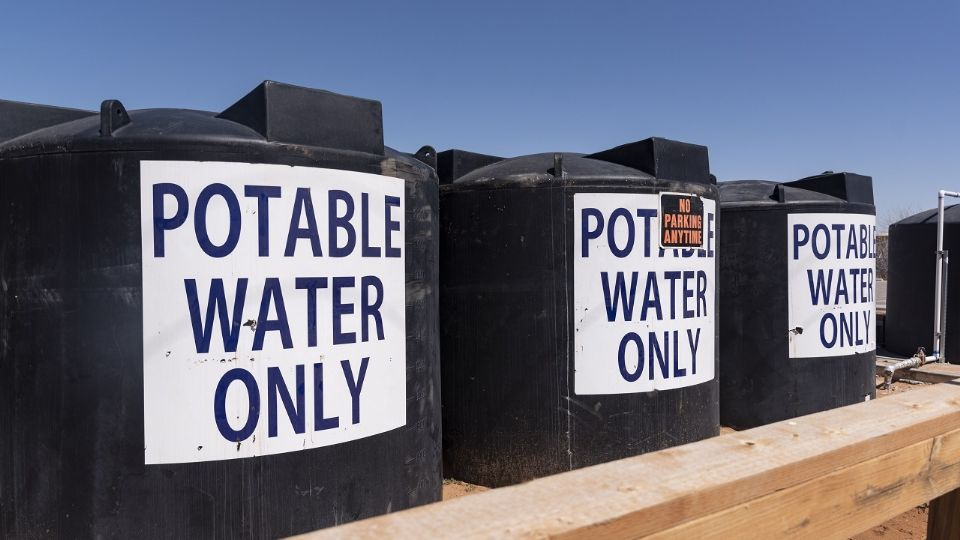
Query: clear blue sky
(776, 89)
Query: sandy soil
(909, 525)
(455, 488)
(897, 387)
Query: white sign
(830, 268)
(273, 308)
(643, 316)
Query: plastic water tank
(912, 283)
(569, 337)
(215, 325)
(797, 317)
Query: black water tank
(912, 282)
(568, 338)
(216, 325)
(797, 315)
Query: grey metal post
(945, 258)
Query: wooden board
(840, 504)
(830, 474)
(944, 522)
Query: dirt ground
(897, 387)
(909, 525)
(455, 488)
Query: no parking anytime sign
(273, 308)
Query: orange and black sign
(681, 221)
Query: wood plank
(944, 521)
(662, 491)
(840, 504)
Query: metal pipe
(917, 360)
(943, 306)
(939, 281)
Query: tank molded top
(639, 163)
(268, 119)
(826, 188)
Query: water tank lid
(454, 163)
(646, 160)
(18, 118)
(551, 166)
(297, 115)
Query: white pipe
(939, 281)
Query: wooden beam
(830, 474)
(843, 503)
(944, 520)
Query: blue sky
(776, 89)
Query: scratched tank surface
(123, 231)
(538, 377)
(797, 315)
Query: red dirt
(910, 524)
(455, 488)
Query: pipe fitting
(917, 360)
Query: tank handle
(428, 155)
(113, 116)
